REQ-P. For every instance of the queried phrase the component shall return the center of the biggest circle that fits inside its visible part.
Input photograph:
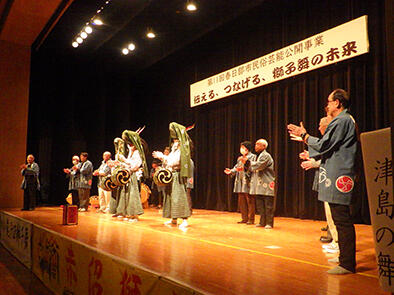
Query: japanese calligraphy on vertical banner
(16, 237)
(337, 44)
(378, 166)
(69, 267)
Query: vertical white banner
(378, 167)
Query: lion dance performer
(130, 206)
(175, 204)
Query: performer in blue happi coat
(337, 150)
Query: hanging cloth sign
(337, 44)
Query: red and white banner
(337, 44)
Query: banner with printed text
(16, 237)
(335, 45)
(69, 267)
(378, 167)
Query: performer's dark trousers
(247, 206)
(74, 196)
(346, 236)
(160, 197)
(154, 197)
(29, 196)
(84, 195)
(265, 207)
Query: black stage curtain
(80, 105)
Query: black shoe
(25, 209)
(249, 223)
(325, 240)
(260, 225)
(31, 209)
(242, 221)
(324, 228)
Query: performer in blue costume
(337, 151)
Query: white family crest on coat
(322, 174)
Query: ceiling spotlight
(98, 22)
(88, 29)
(150, 35)
(131, 46)
(75, 44)
(125, 51)
(191, 6)
(84, 35)
(79, 40)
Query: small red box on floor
(70, 214)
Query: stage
(215, 255)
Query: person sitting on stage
(103, 171)
(130, 206)
(262, 183)
(246, 202)
(30, 183)
(175, 204)
(73, 183)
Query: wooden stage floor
(215, 255)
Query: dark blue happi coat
(337, 151)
